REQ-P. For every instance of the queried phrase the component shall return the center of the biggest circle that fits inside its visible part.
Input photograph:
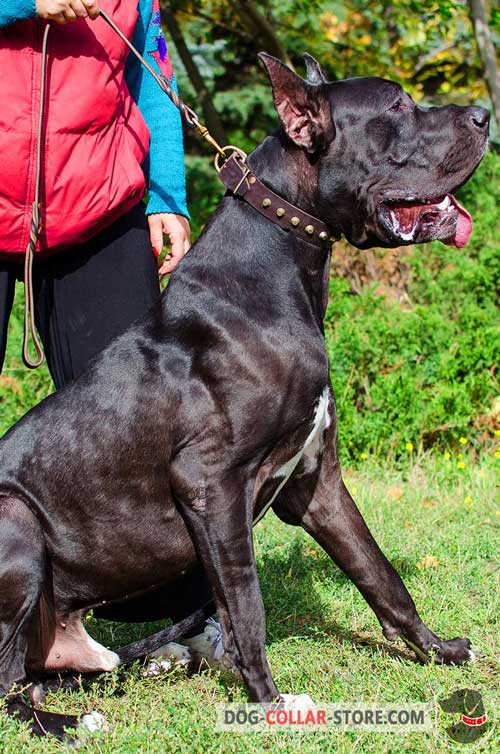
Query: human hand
(176, 227)
(62, 11)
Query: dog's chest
(308, 453)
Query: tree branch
(210, 115)
(261, 29)
(487, 53)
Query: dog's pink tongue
(464, 226)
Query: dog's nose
(479, 117)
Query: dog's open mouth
(442, 219)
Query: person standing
(108, 135)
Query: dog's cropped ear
(303, 108)
(315, 73)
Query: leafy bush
(20, 389)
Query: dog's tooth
(407, 236)
(444, 204)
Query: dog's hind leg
(318, 500)
(23, 579)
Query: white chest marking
(309, 451)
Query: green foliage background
(428, 47)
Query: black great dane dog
(152, 467)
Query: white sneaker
(165, 658)
(297, 702)
(207, 648)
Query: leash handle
(187, 113)
(29, 306)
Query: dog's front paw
(296, 702)
(451, 652)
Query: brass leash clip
(238, 153)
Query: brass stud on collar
(280, 212)
(295, 221)
(266, 202)
(323, 235)
(309, 229)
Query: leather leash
(35, 226)
(187, 113)
(231, 166)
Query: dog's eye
(397, 106)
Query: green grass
(321, 636)
(20, 388)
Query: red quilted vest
(95, 138)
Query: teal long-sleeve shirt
(164, 166)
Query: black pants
(86, 296)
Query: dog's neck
(247, 260)
(288, 171)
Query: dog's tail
(143, 647)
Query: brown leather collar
(239, 179)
